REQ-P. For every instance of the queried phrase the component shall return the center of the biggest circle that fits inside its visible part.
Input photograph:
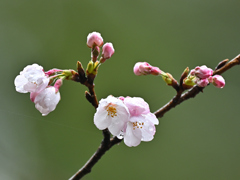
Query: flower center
(111, 110)
(137, 125)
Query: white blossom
(112, 114)
(31, 79)
(47, 100)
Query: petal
(101, 119)
(152, 118)
(132, 136)
(148, 131)
(136, 106)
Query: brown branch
(195, 90)
(107, 143)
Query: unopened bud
(90, 67)
(94, 39)
(142, 68)
(202, 82)
(218, 81)
(69, 74)
(203, 72)
(107, 51)
(168, 78)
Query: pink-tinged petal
(132, 137)
(136, 106)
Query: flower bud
(203, 72)
(107, 51)
(218, 81)
(94, 39)
(90, 67)
(168, 78)
(142, 68)
(202, 82)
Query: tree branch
(195, 90)
(107, 143)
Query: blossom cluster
(126, 117)
(34, 80)
(95, 41)
(202, 76)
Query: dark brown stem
(105, 145)
(195, 90)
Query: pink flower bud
(142, 68)
(203, 72)
(202, 82)
(94, 39)
(218, 81)
(107, 50)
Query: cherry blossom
(47, 100)
(141, 125)
(31, 79)
(112, 114)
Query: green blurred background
(200, 139)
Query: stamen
(111, 110)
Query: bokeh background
(200, 139)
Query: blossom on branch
(47, 100)
(112, 114)
(31, 79)
(128, 118)
(141, 125)
(43, 86)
